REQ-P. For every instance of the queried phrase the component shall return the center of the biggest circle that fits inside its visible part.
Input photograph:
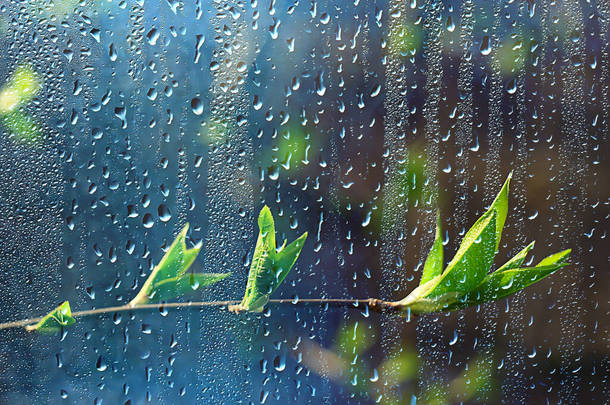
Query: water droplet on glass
(148, 221)
(485, 46)
(100, 364)
(197, 106)
(279, 363)
(152, 36)
(164, 213)
(450, 25)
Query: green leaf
(179, 286)
(421, 300)
(469, 265)
(517, 260)
(54, 320)
(557, 258)
(500, 206)
(287, 257)
(434, 262)
(269, 267)
(21, 126)
(465, 281)
(266, 228)
(465, 271)
(471, 262)
(502, 284)
(173, 265)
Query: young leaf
(54, 320)
(287, 257)
(473, 259)
(557, 258)
(269, 267)
(500, 205)
(434, 262)
(179, 286)
(465, 281)
(505, 282)
(266, 227)
(517, 260)
(471, 262)
(166, 279)
(502, 284)
(421, 300)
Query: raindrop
(152, 36)
(147, 221)
(152, 94)
(511, 87)
(274, 28)
(164, 213)
(198, 45)
(455, 338)
(97, 133)
(450, 25)
(112, 53)
(320, 87)
(197, 106)
(532, 354)
(241, 67)
(485, 46)
(100, 364)
(279, 363)
(367, 219)
(95, 33)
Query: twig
(373, 303)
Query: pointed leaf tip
(498, 285)
(55, 320)
(266, 226)
(174, 264)
(185, 284)
(555, 258)
(518, 259)
(500, 205)
(434, 262)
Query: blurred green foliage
(18, 90)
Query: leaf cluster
(270, 265)
(466, 281)
(169, 278)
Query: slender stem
(373, 303)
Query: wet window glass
(301, 201)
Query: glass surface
(354, 121)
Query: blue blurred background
(353, 121)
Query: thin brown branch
(373, 303)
